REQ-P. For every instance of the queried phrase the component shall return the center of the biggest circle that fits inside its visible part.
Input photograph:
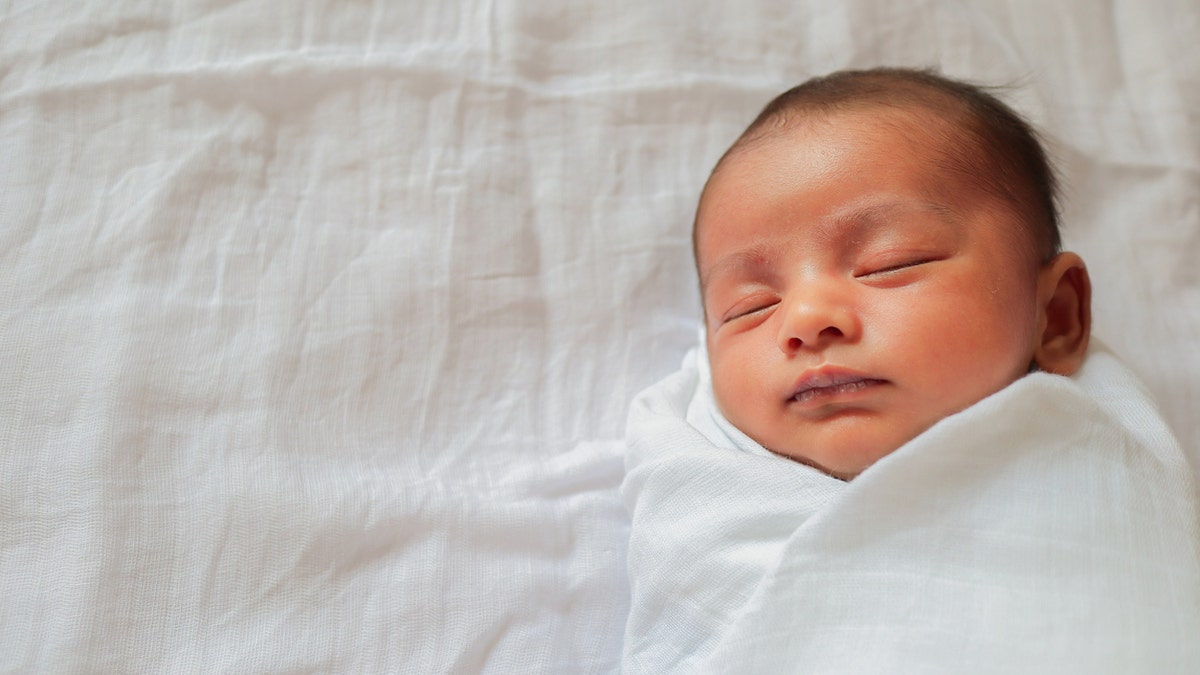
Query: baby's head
(878, 250)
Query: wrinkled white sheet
(317, 319)
(1050, 528)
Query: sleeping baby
(877, 251)
(894, 449)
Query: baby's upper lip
(829, 376)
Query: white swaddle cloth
(1051, 527)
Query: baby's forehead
(924, 128)
(934, 151)
(930, 178)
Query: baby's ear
(1064, 314)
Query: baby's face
(855, 292)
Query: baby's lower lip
(842, 389)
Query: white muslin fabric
(320, 321)
(1051, 527)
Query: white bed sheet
(319, 322)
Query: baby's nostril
(794, 343)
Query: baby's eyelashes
(884, 272)
(749, 309)
(891, 268)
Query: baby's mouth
(821, 386)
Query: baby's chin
(849, 457)
(843, 471)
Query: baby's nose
(814, 322)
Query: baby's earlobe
(1065, 307)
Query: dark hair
(1002, 153)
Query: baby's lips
(829, 376)
(835, 390)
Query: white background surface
(317, 320)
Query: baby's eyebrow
(754, 256)
(859, 220)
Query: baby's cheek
(733, 388)
(981, 366)
(720, 381)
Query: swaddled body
(1049, 528)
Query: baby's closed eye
(893, 265)
(750, 307)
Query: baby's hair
(1002, 153)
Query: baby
(881, 270)
(878, 250)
